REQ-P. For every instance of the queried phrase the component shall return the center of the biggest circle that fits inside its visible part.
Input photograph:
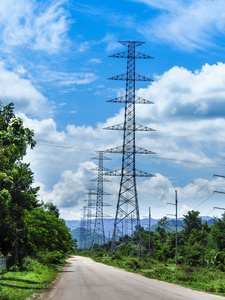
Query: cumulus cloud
(20, 91)
(188, 111)
(69, 191)
(61, 156)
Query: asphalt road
(84, 279)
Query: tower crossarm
(138, 150)
(100, 169)
(138, 127)
(138, 100)
(125, 54)
(135, 77)
(138, 173)
(103, 157)
(103, 180)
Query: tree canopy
(23, 217)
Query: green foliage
(33, 278)
(27, 227)
(192, 223)
(46, 232)
(16, 178)
(53, 257)
(217, 233)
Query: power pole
(176, 200)
(99, 215)
(149, 233)
(127, 204)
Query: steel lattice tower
(83, 228)
(89, 215)
(99, 232)
(127, 205)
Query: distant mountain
(74, 225)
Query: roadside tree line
(28, 227)
(198, 243)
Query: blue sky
(54, 66)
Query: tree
(217, 234)
(27, 226)
(161, 229)
(16, 179)
(192, 224)
(193, 238)
(46, 232)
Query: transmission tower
(127, 205)
(83, 228)
(99, 232)
(89, 215)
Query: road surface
(84, 279)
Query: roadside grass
(33, 279)
(206, 279)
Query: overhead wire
(203, 201)
(197, 191)
(155, 157)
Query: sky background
(54, 65)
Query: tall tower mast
(127, 205)
(99, 232)
(89, 215)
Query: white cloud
(180, 136)
(69, 191)
(67, 79)
(111, 42)
(95, 61)
(188, 110)
(36, 25)
(20, 91)
(188, 24)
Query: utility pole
(127, 204)
(176, 201)
(149, 233)
(176, 225)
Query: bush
(86, 253)
(98, 254)
(30, 264)
(117, 255)
(54, 257)
(220, 258)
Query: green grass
(207, 279)
(21, 285)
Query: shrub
(29, 264)
(54, 257)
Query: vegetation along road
(84, 279)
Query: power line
(155, 157)
(197, 191)
(189, 161)
(203, 201)
(66, 147)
